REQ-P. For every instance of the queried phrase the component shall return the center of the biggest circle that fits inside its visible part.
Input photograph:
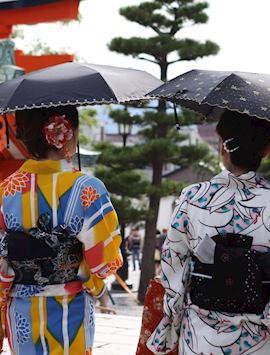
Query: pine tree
(166, 18)
(127, 186)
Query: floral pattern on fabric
(3, 245)
(23, 330)
(12, 221)
(14, 183)
(88, 196)
(91, 310)
(28, 290)
(225, 204)
(152, 314)
(76, 224)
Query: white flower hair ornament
(58, 131)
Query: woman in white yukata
(236, 202)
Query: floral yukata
(225, 204)
(56, 318)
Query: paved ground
(116, 335)
(125, 304)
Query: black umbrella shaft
(177, 123)
(79, 156)
(7, 132)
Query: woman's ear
(222, 151)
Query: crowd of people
(60, 240)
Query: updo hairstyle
(250, 134)
(30, 123)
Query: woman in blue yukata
(59, 240)
(215, 259)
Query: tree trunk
(148, 262)
(163, 69)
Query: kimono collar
(46, 166)
(228, 178)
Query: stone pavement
(116, 335)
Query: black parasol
(212, 92)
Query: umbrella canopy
(75, 84)
(211, 92)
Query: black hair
(30, 123)
(250, 134)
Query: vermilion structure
(16, 12)
(30, 12)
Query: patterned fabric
(225, 204)
(209, 92)
(61, 319)
(152, 314)
(50, 255)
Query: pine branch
(156, 29)
(175, 28)
(148, 60)
(176, 60)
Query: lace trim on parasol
(175, 98)
(76, 102)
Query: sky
(240, 27)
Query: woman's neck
(53, 155)
(236, 170)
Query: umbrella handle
(7, 132)
(177, 123)
(79, 156)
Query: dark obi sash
(44, 256)
(237, 282)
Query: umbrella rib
(221, 82)
(10, 96)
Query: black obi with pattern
(44, 255)
(237, 282)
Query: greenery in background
(116, 169)
(161, 143)
(126, 185)
(264, 168)
(17, 32)
(87, 119)
(41, 48)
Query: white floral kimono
(227, 203)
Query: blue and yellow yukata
(55, 315)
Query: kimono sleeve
(175, 264)
(100, 231)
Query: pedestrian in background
(134, 245)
